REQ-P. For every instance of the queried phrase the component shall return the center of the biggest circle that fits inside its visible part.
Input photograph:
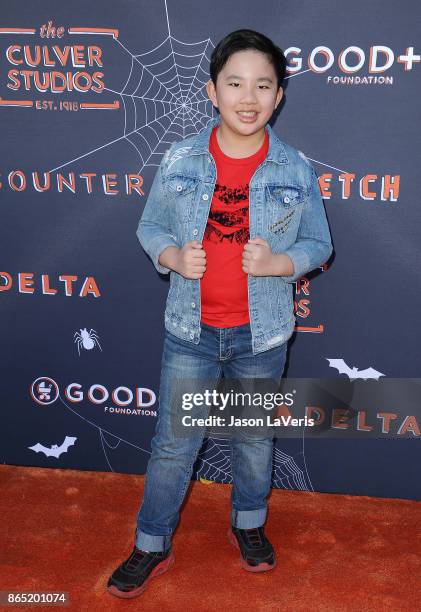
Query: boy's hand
(191, 260)
(257, 257)
(259, 260)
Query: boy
(237, 217)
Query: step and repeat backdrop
(91, 96)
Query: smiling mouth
(247, 113)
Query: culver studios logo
(45, 391)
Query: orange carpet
(67, 530)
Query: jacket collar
(276, 151)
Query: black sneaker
(257, 554)
(130, 579)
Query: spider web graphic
(167, 97)
(213, 460)
(214, 464)
(163, 98)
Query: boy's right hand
(191, 260)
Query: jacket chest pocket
(182, 191)
(284, 205)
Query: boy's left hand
(258, 258)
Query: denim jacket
(285, 208)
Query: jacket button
(193, 305)
(191, 335)
(179, 187)
(286, 200)
(205, 196)
(195, 232)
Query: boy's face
(247, 82)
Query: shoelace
(135, 559)
(253, 536)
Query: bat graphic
(354, 372)
(54, 450)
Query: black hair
(240, 40)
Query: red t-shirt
(223, 287)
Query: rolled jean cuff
(248, 519)
(152, 543)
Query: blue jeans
(221, 351)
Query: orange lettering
(89, 286)
(25, 282)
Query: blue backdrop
(90, 98)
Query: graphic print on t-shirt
(228, 217)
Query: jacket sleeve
(313, 245)
(154, 230)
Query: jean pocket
(285, 202)
(182, 190)
(286, 196)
